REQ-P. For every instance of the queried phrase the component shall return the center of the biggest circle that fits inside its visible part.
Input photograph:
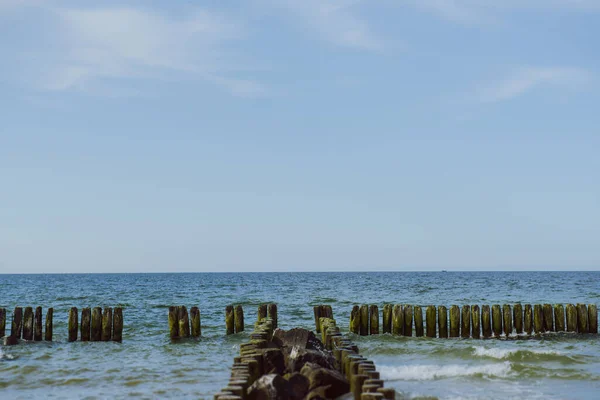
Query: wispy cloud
(525, 79)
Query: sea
(147, 365)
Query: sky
(309, 135)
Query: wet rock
(269, 387)
(11, 340)
(333, 381)
(297, 338)
(298, 385)
(273, 361)
(297, 358)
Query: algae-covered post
(262, 312)
(486, 322)
(559, 318)
(195, 321)
(518, 318)
(17, 323)
(184, 321)
(538, 318)
(465, 322)
(528, 319)
(408, 320)
(582, 318)
(317, 312)
(272, 312)
(238, 315)
(86, 321)
(475, 322)
(229, 320)
(107, 318)
(593, 318)
(397, 320)
(37, 324)
(387, 318)
(49, 324)
(117, 335)
(443, 321)
(2, 322)
(364, 320)
(548, 318)
(508, 320)
(374, 319)
(418, 316)
(497, 320)
(454, 321)
(28, 323)
(571, 318)
(73, 324)
(430, 321)
(355, 320)
(96, 325)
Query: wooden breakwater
(182, 324)
(96, 324)
(26, 324)
(472, 321)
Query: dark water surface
(148, 365)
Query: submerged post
(49, 324)
(355, 320)
(96, 325)
(508, 320)
(496, 320)
(184, 322)
(454, 321)
(37, 325)
(317, 312)
(538, 319)
(73, 324)
(272, 311)
(593, 318)
(418, 316)
(486, 322)
(262, 312)
(408, 320)
(374, 319)
(571, 318)
(548, 318)
(397, 320)
(387, 318)
(475, 322)
(518, 318)
(107, 318)
(195, 321)
(2, 322)
(238, 314)
(229, 320)
(528, 319)
(582, 319)
(86, 321)
(465, 325)
(364, 320)
(17, 324)
(559, 318)
(443, 321)
(118, 325)
(28, 324)
(430, 321)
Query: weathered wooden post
(397, 320)
(272, 311)
(37, 325)
(107, 318)
(262, 312)
(486, 322)
(559, 318)
(430, 321)
(73, 324)
(582, 318)
(443, 321)
(16, 327)
(364, 320)
(2, 322)
(593, 318)
(195, 321)
(356, 384)
(538, 318)
(117, 335)
(508, 320)
(86, 321)
(317, 312)
(49, 324)
(229, 320)
(454, 321)
(528, 319)
(238, 315)
(387, 318)
(355, 320)
(408, 320)
(28, 324)
(496, 320)
(475, 322)
(465, 323)
(374, 319)
(571, 318)
(518, 318)
(548, 318)
(96, 325)
(418, 317)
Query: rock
(298, 385)
(333, 381)
(297, 358)
(318, 394)
(298, 338)
(11, 340)
(269, 387)
(273, 361)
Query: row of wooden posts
(472, 322)
(97, 325)
(26, 324)
(182, 325)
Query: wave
(523, 355)
(433, 372)
(4, 356)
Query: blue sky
(299, 135)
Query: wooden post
(2, 322)
(356, 384)
(16, 327)
(37, 324)
(229, 320)
(518, 318)
(117, 335)
(326, 311)
(571, 318)
(538, 319)
(86, 321)
(262, 312)
(73, 324)
(508, 320)
(497, 320)
(593, 318)
(28, 324)
(387, 318)
(374, 319)
(238, 315)
(272, 310)
(355, 320)
(454, 321)
(107, 318)
(317, 312)
(96, 325)
(559, 318)
(49, 325)
(582, 319)
(408, 320)
(184, 321)
(528, 319)
(443, 322)
(475, 322)
(397, 320)
(465, 325)
(195, 321)
(548, 318)
(486, 322)
(364, 320)
(430, 321)
(418, 316)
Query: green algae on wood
(538, 319)
(443, 322)
(272, 312)
(430, 321)
(559, 318)
(408, 320)
(96, 325)
(37, 324)
(229, 320)
(496, 320)
(593, 318)
(387, 318)
(418, 317)
(486, 322)
(355, 320)
(388, 393)
(518, 318)
(528, 319)
(317, 312)
(28, 324)
(262, 312)
(548, 318)
(49, 325)
(2, 322)
(238, 315)
(397, 320)
(364, 320)
(582, 318)
(117, 335)
(16, 328)
(73, 324)
(465, 322)
(107, 318)
(195, 321)
(86, 321)
(475, 322)
(356, 384)
(571, 312)
(508, 320)
(454, 321)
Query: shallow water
(148, 365)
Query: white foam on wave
(502, 354)
(431, 372)
(6, 356)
